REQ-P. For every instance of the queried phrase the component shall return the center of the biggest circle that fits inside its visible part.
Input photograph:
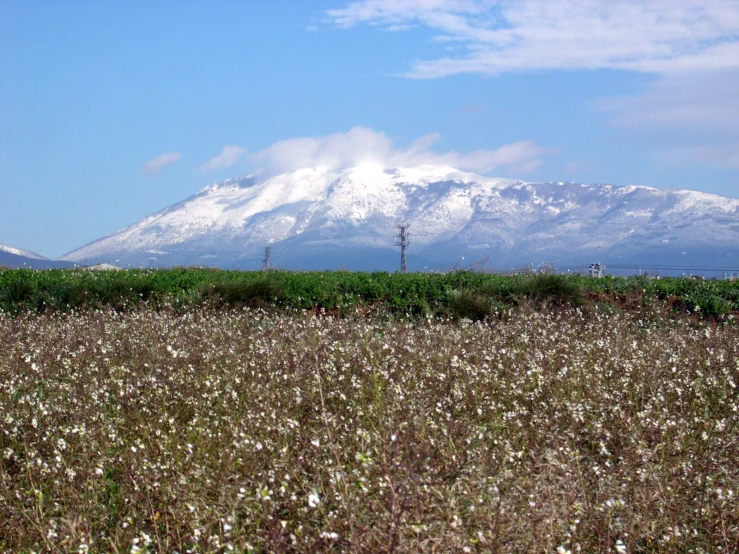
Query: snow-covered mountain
(15, 257)
(317, 218)
(19, 252)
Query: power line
(693, 271)
(675, 268)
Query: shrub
(555, 289)
(468, 304)
(17, 292)
(540, 288)
(707, 305)
(262, 291)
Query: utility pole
(404, 243)
(267, 256)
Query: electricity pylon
(404, 243)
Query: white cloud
(699, 110)
(691, 47)
(362, 145)
(504, 36)
(723, 156)
(229, 155)
(155, 165)
(694, 100)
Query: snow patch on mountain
(318, 217)
(19, 252)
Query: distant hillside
(17, 258)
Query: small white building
(597, 270)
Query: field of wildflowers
(560, 430)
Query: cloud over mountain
(361, 145)
(229, 155)
(155, 165)
(689, 48)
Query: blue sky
(110, 111)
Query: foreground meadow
(211, 431)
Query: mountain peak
(320, 217)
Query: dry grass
(211, 432)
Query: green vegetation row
(463, 294)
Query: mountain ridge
(316, 218)
(16, 258)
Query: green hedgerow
(262, 291)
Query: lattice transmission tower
(404, 243)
